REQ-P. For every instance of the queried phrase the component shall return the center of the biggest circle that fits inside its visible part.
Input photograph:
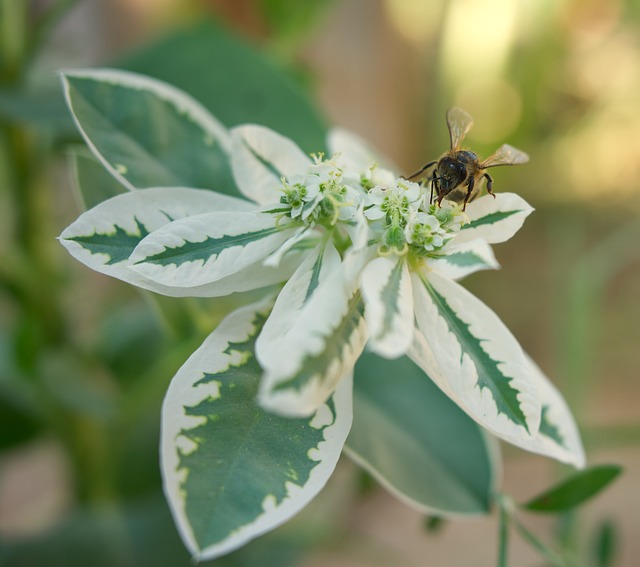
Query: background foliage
(84, 362)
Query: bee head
(451, 173)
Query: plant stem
(503, 534)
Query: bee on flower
(357, 257)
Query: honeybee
(458, 169)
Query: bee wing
(459, 123)
(505, 155)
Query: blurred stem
(551, 556)
(508, 516)
(503, 537)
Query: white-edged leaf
(386, 289)
(208, 247)
(104, 237)
(260, 158)
(304, 237)
(313, 271)
(231, 470)
(461, 260)
(148, 133)
(303, 368)
(494, 219)
(470, 354)
(558, 436)
(353, 153)
(417, 443)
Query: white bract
(363, 255)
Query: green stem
(508, 516)
(551, 556)
(503, 541)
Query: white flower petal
(260, 158)
(386, 288)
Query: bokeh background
(84, 361)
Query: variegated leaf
(231, 470)
(558, 436)
(303, 368)
(461, 260)
(465, 348)
(494, 219)
(206, 248)
(148, 133)
(260, 158)
(104, 237)
(386, 289)
(296, 293)
(417, 443)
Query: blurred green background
(84, 360)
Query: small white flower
(423, 230)
(393, 201)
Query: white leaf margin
(183, 103)
(376, 276)
(495, 457)
(461, 386)
(316, 325)
(500, 230)
(151, 207)
(255, 179)
(450, 270)
(559, 416)
(191, 231)
(236, 327)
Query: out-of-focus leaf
(40, 106)
(605, 545)
(434, 524)
(234, 80)
(18, 410)
(16, 426)
(131, 341)
(291, 20)
(417, 442)
(92, 182)
(140, 534)
(574, 491)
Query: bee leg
(470, 185)
(421, 170)
(434, 185)
(489, 184)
